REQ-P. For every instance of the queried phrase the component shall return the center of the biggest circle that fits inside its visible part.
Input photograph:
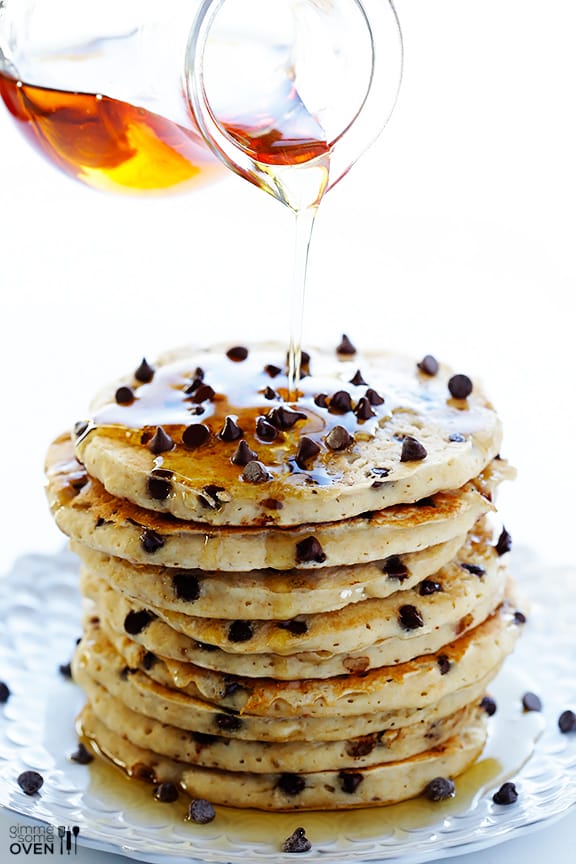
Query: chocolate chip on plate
(439, 789)
(429, 365)
(160, 442)
(81, 755)
(4, 693)
(166, 792)
(567, 722)
(144, 373)
(238, 353)
(507, 794)
(30, 782)
(201, 811)
(309, 550)
(489, 705)
(531, 702)
(65, 670)
(460, 386)
(297, 842)
(412, 450)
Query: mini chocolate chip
(255, 472)
(460, 386)
(158, 488)
(30, 782)
(457, 437)
(191, 388)
(349, 781)
(291, 784)
(309, 550)
(265, 430)
(80, 427)
(195, 435)
(243, 454)
(284, 418)
(409, 617)
(297, 628)
(144, 373)
(439, 789)
(489, 705)
(230, 431)
(395, 568)
(297, 842)
(338, 438)
(504, 543)
(271, 504)
(429, 586)
(81, 755)
(151, 541)
(307, 449)
(412, 450)
(160, 442)
(166, 792)
(124, 396)
(425, 502)
(204, 646)
(357, 380)
(444, 664)
(204, 738)
(429, 365)
(211, 497)
(567, 722)
(201, 811)
(321, 400)
(136, 622)
(531, 702)
(231, 687)
(203, 394)
(65, 670)
(340, 402)
(373, 397)
(519, 617)
(228, 722)
(240, 631)
(269, 393)
(474, 569)
(363, 410)
(149, 660)
(507, 794)
(186, 586)
(238, 353)
(143, 772)
(272, 371)
(4, 693)
(345, 346)
(363, 746)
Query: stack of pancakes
(293, 600)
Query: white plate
(40, 622)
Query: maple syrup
(109, 144)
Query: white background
(454, 235)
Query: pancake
(360, 787)
(85, 511)
(324, 482)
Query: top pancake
(309, 472)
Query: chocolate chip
(519, 617)
(307, 449)
(161, 442)
(255, 472)
(395, 568)
(243, 454)
(489, 705)
(439, 789)
(507, 794)
(240, 631)
(284, 418)
(412, 450)
(338, 438)
(504, 543)
(297, 842)
(125, 672)
(272, 371)
(444, 664)
(474, 569)
(425, 502)
(271, 504)
(124, 396)
(345, 346)
(231, 687)
(363, 746)
(457, 437)
(65, 669)
(4, 693)
(143, 772)
(166, 792)
(291, 784)
(144, 373)
(429, 586)
(204, 738)
(341, 402)
(265, 430)
(230, 431)
(357, 380)
(321, 400)
(297, 628)
(200, 811)
(380, 472)
(228, 722)
(149, 660)
(195, 435)
(460, 386)
(80, 427)
(204, 646)
(410, 618)
(196, 382)
(531, 702)
(429, 365)
(309, 550)
(136, 622)
(349, 781)
(269, 393)
(203, 394)
(567, 722)
(363, 410)
(237, 354)
(186, 586)
(211, 496)
(30, 782)
(373, 397)
(81, 755)
(158, 488)
(151, 541)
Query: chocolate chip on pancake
(284, 418)
(308, 449)
(296, 627)
(412, 450)
(228, 722)
(144, 373)
(338, 438)
(429, 365)
(363, 410)
(240, 631)
(374, 397)
(395, 568)
(186, 586)
(409, 617)
(137, 621)
(166, 792)
(195, 435)
(460, 386)
(444, 664)
(124, 396)
(309, 550)
(158, 488)
(429, 586)
(345, 346)
(321, 400)
(439, 789)
(357, 380)
(504, 543)
(291, 784)
(237, 354)
(349, 781)
(269, 393)
(255, 472)
(266, 430)
(160, 442)
(474, 569)
(272, 371)
(243, 454)
(231, 431)
(151, 541)
(340, 402)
